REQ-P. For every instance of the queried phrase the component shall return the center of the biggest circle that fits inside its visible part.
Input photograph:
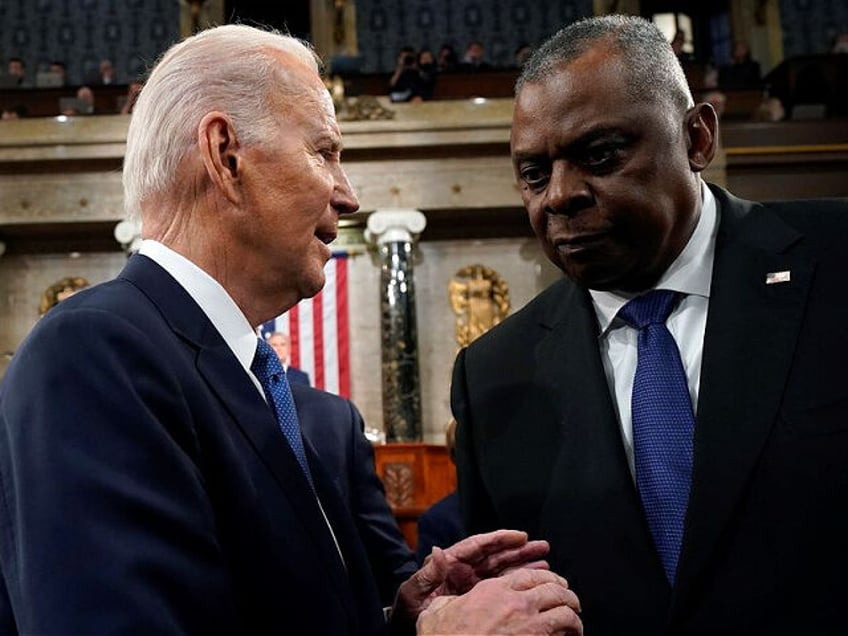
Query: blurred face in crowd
(16, 68)
(280, 343)
(609, 182)
(474, 52)
(58, 69)
(86, 94)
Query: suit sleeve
(475, 507)
(104, 522)
(392, 560)
(426, 537)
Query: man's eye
(601, 159)
(533, 176)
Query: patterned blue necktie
(268, 370)
(663, 424)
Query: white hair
(228, 68)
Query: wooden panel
(454, 85)
(787, 160)
(449, 159)
(415, 476)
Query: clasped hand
(517, 594)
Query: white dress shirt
(213, 299)
(690, 274)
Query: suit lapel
(750, 337)
(250, 413)
(592, 464)
(256, 421)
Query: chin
(312, 285)
(598, 280)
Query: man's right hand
(525, 601)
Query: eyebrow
(584, 140)
(333, 141)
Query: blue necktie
(663, 424)
(268, 370)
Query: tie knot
(649, 309)
(265, 363)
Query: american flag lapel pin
(778, 277)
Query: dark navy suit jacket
(334, 428)
(296, 376)
(539, 444)
(439, 526)
(146, 489)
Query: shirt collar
(690, 273)
(212, 298)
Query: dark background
(288, 16)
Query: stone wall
(23, 278)
(518, 261)
(60, 185)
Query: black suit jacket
(145, 486)
(334, 427)
(764, 552)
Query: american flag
(319, 331)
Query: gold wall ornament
(480, 299)
(59, 291)
(364, 108)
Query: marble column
(394, 232)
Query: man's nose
(568, 191)
(344, 199)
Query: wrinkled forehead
(586, 79)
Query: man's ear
(221, 153)
(702, 133)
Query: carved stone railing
(60, 186)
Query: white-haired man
(164, 486)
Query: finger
(432, 574)
(550, 595)
(492, 564)
(546, 590)
(494, 558)
(533, 565)
(560, 620)
(573, 601)
(524, 579)
(475, 547)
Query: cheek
(535, 215)
(317, 192)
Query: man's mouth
(573, 245)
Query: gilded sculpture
(59, 291)
(480, 299)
